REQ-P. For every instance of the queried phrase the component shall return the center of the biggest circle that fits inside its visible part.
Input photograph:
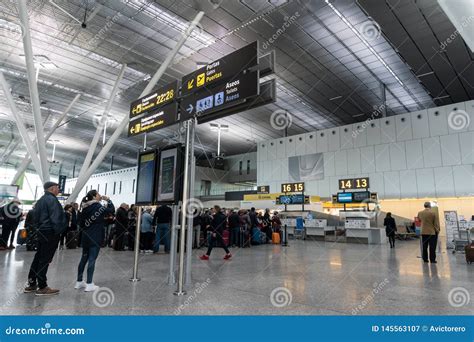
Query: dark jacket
(93, 216)
(163, 214)
(121, 220)
(49, 215)
(218, 223)
(234, 220)
(390, 226)
(74, 220)
(253, 219)
(30, 223)
(11, 215)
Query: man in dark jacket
(253, 218)
(234, 226)
(11, 215)
(50, 222)
(121, 226)
(162, 220)
(217, 228)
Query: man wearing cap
(11, 215)
(50, 221)
(429, 232)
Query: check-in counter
(372, 236)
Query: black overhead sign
(219, 97)
(152, 103)
(163, 117)
(223, 69)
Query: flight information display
(169, 185)
(226, 68)
(145, 178)
(163, 117)
(293, 199)
(151, 103)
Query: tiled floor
(314, 278)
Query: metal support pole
(101, 126)
(81, 182)
(285, 237)
(180, 290)
(383, 90)
(74, 169)
(27, 160)
(34, 95)
(173, 246)
(144, 142)
(21, 126)
(219, 141)
(112, 163)
(190, 237)
(134, 277)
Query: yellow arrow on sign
(190, 83)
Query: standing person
(50, 221)
(146, 230)
(162, 220)
(30, 226)
(253, 218)
(245, 223)
(196, 229)
(234, 226)
(390, 229)
(217, 228)
(68, 212)
(74, 212)
(267, 224)
(132, 225)
(121, 226)
(93, 218)
(429, 232)
(205, 222)
(11, 214)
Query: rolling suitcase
(256, 239)
(71, 240)
(276, 238)
(469, 249)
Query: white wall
(412, 155)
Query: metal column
(190, 238)
(21, 126)
(103, 119)
(184, 207)
(173, 245)
(81, 182)
(34, 95)
(134, 277)
(27, 160)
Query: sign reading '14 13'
(222, 69)
(354, 183)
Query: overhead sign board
(219, 97)
(354, 183)
(151, 103)
(62, 184)
(263, 189)
(292, 187)
(163, 117)
(220, 70)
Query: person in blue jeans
(162, 220)
(93, 222)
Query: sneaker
(149, 251)
(228, 256)
(91, 287)
(30, 288)
(47, 291)
(204, 257)
(80, 285)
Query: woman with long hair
(93, 216)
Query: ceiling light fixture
(366, 43)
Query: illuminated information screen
(354, 183)
(150, 103)
(220, 70)
(169, 182)
(292, 187)
(146, 178)
(162, 117)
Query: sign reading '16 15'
(354, 183)
(292, 187)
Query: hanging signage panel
(292, 187)
(166, 116)
(220, 70)
(151, 103)
(146, 170)
(263, 189)
(170, 180)
(354, 183)
(220, 97)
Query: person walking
(121, 226)
(162, 221)
(11, 215)
(93, 219)
(217, 227)
(390, 229)
(146, 230)
(50, 222)
(429, 232)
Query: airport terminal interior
(322, 149)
